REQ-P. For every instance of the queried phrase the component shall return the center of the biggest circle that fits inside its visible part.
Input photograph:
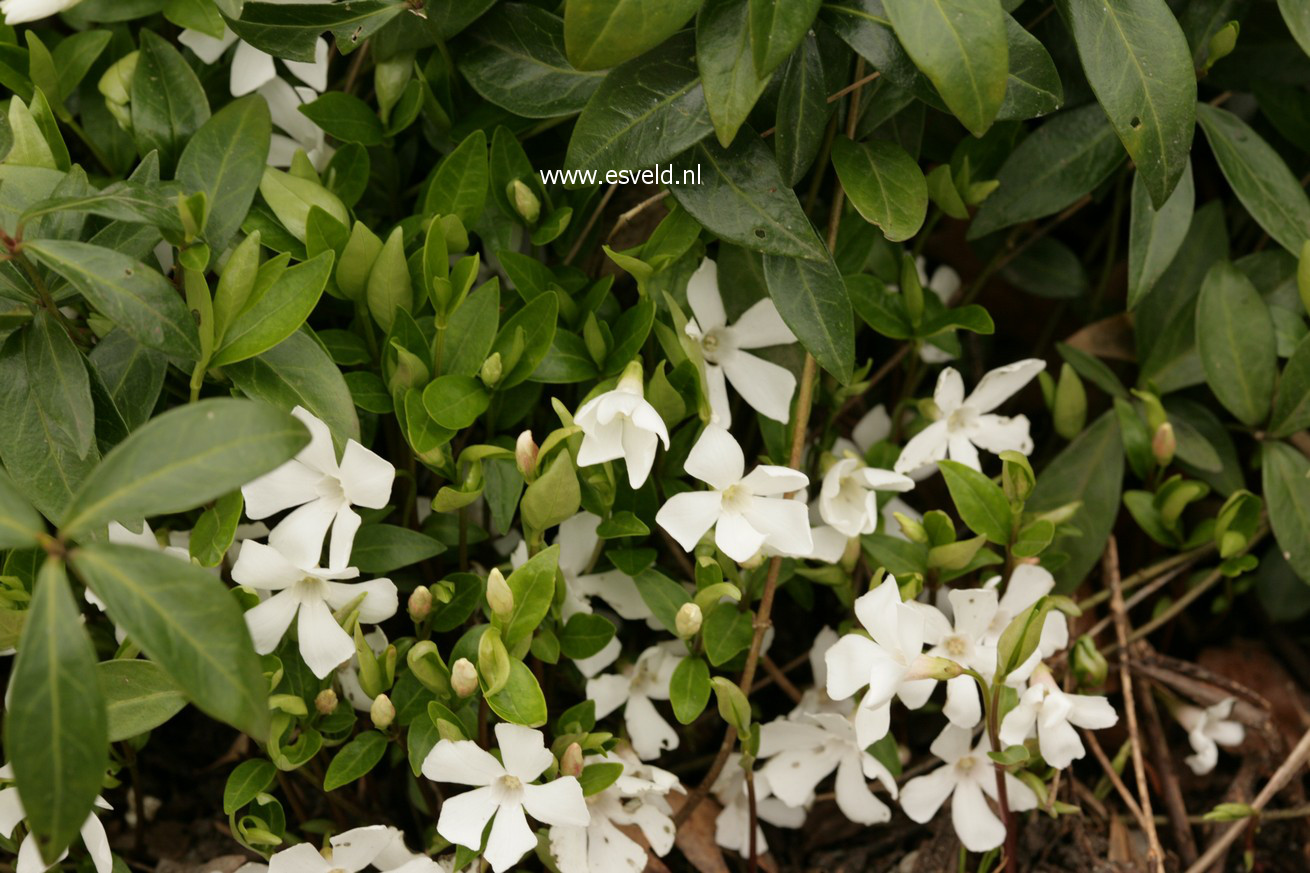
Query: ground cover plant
(603, 435)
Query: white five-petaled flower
(634, 689)
(890, 663)
(732, 827)
(767, 387)
(23, 11)
(1046, 708)
(503, 789)
(348, 852)
(804, 750)
(29, 855)
(967, 424)
(299, 132)
(323, 492)
(746, 511)
(1207, 729)
(252, 67)
(967, 643)
(848, 499)
(1028, 583)
(313, 593)
(968, 775)
(636, 799)
(621, 424)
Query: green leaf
(247, 781)
(585, 635)
(168, 102)
(1292, 406)
(1033, 539)
(1287, 492)
(185, 619)
(1137, 61)
(1033, 88)
(1065, 158)
(961, 46)
(595, 778)
(459, 185)
(1259, 176)
(727, 69)
(727, 632)
(20, 525)
(664, 596)
(455, 401)
(803, 110)
(225, 159)
(62, 389)
(514, 58)
(647, 111)
(521, 700)
(1235, 339)
(133, 374)
(740, 196)
(290, 30)
(216, 529)
(355, 759)
(471, 332)
(884, 184)
(126, 201)
(567, 361)
(1297, 17)
(139, 697)
(277, 313)
(533, 586)
(381, 548)
(183, 458)
(1155, 236)
(622, 524)
(981, 503)
(604, 33)
(689, 689)
(130, 294)
(56, 735)
(554, 497)
(776, 29)
(345, 117)
(813, 302)
(1020, 638)
(536, 320)
(1090, 470)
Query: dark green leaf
(585, 635)
(1033, 88)
(20, 524)
(381, 548)
(1235, 339)
(225, 159)
(664, 596)
(1287, 491)
(802, 113)
(290, 30)
(776, 29)
(168, 102)
(60, 385)
(345, 117)
(689, 689)
(139, 697)
(604, 33)
(471, 332)
(727, 632)
(1154, 236)
(812, 300)
(1292, 407)
(1297, 16)
(277, 313)
(727, 69)
(981, 503)
(884, 184)
(355, 759)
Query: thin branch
(591, 222)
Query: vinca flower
(966, 424)
(746, 511)
(848, 500)
(1207, 729)
(312, 593)
(1053, 714)
(732, 827)
(503, 789)
(621, 424)
(967, 644)
(299, 132)
(634, 689)
(323, 492)
(251, 67)
(967, 777)
(23, 11)
(347, 852)
(29, 854)
(1028, 584)
(767, 387)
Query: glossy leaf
(884, 184)
(1155, 236)
(355, 759)
(1235, 339)
(812, 300)
(168, 102)
(139, 696)
(981, 503)
(727, 69)
(604, 33)
(1292, 407)
(225, 159)
(277, 313)
(1287, 493)
(776, 29)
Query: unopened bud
(1222, 43)
(464, 677)
(571, 763)
(491, 371)
(499, 596)
(326, 702)
(932, 667)
(382, 712)
(1070, 413)
(688, 621)
(420, 603)
(633, 380)
(1089, 665)
(526, 203)
(525, 455)
(116, 83)
(1164, 444)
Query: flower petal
(974, 609)
(344, 527)
(268, 622)
(462, 762)
(704, 298)
(300, 535)
(206, 47)
(380, 601)
(323, 644)
(366, 477)
(609, 692)
(716, 387)
(997, 433)
(577, 543)
(511, 838)
(464, 817)
(767, 387)
(876, 425)
(523, 750)
(300, 858)
(768, 480)
(1000, 384)
(761, 326)
(558, 802)
(963, 707)
(952, 744)
(264, 567)
(315, 73)
(926, 447)
(355, 849)
(716, 458)
(854, 798)
(250, 69)
(289, 485)
(11, 807)
(650, 734)
(975, 824)
(922, 796)
(97, 844)
(687, 516)
(962, 451)
(639, 448)
(949, 393)
(849, 663)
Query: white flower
(1028, 583)
(1054, 715)
(634, 689)
(849, 498)
(1207, 729)
(767, 387)
(968, 644)
(635, 799)
(621, 424)
(323, 491)
(968, 775)
(299, 132)
(349, 852)
(732, 827)
(746, 512)
(803, 751)
(815, 699)
(889, 663)
(23, 11)
(252, 67)
(313, 593)
(966, 422)
(503, 790)
(29, 855)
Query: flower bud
(499, 596)
(932, 667)
(464, 677)
(1070, 413)
(420, 603)
(525, 455)
(326, 702)
(571, 762)
(687, 623)
(526, 203)
(633, 380)
(116, 87)
(1222, 43)
(491, 371)
(1164, 444)
(382, 712)
(1089, 665)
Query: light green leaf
(20, 524)
(225, 159)
(1235, 339)
(554, 497)
(536, 321)
(521, 700)
(247, 781)
(884, 184)
(355, 759)
(604, 33)
(981, 503)
(727, 632)
(689, 689)
(1297, 16)
(139, 697)
(277, 313)
(1292, 407)
(455, 401)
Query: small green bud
(1303, 275)
(913, 530)
(426, 665)
(420, 603)
(326, 702)
(491, 371)
(1155, 414)
(911, 289)
(1017, 477)
(116, 83)
(1089, 665)
(457, 238)
(1070, 413)
(525, 202)
(382, 712)
(499, 596)
(1164, 444)
(464, 677)
(1222, 43)
(688, 620)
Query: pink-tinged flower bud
(420, 603)
(571, 763)
(464, 677)
(525, 455)
(1164, 444)
(499, 596)
(326, 702)
(688, 620)
(382, 712)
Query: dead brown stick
(1113, 775)
(1164, 765)
(780, 678)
